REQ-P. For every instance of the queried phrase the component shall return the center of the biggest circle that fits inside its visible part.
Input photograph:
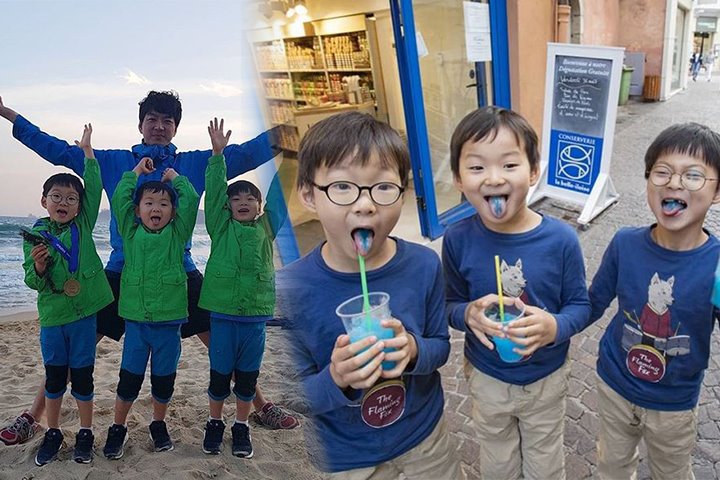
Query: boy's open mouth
(498, 204)
(362, 238)
(243, 211)
(61, 211)
(673, 206)
(155, 220)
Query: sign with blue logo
(574, 161)
(582, 85)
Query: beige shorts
(431, 459)
(669, 438)
(520, 427)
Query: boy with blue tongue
(352, 173)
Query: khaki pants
(520, 427)
(431, 459)
(669, 438)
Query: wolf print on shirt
(513, 280)
(651, 340)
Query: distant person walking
(708, 62)
(695, 63)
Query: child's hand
(6, 112)
(169, 175)
(535, 330)
(84, 142)
(404, 345)
(144, 166)
(479, 324)
(41, 256)
(357, 371)
(217, 138)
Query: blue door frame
(432, 223)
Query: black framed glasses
(346, 193)
(691, 180)
(70, 199)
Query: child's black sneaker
(160, 436)
(84, 446)
(116, 440)
(241, 443)
(212, 441)
(50, 447)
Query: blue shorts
(236, 346)
(71, 345)
(143, 339)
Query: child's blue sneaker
(241, 443)
(212, 441)
(116, 439)
(160, 436)
(50, 447)
(84, 441)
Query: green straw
(366, 297)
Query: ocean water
(15, 296)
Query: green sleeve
(122, 204)
(188, 202)
(216, 212)
(32, 279)
(93, 193)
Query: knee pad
(245, 383)
(162, 387)
(129, 385)
(56, 377)
(82, 380)
(219, 385)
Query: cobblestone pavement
(637, 125)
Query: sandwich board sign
(582, 84)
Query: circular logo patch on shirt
(383, 404)
(646, 363)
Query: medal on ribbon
(71, 287)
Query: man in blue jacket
(159, 117)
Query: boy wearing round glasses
(68, 275)
(655, 350)
(352, 174)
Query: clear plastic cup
(513, 308)
(360, 324)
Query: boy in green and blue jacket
(239, 291)
(64, 267)
(153, 292)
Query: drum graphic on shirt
(650, 340)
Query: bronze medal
(71, 287)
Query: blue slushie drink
(360, 324)
(504, 346)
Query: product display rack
(302, 72)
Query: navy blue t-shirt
(543, 267)
(655, 350)
(308, 291)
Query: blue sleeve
(574, 315)
(321, 392)
(54, 150)
(249, 155)
(457, 293)
(275, 208)
(239, 159)
(433, 344)
(112, 163)
(604, 285)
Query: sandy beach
(278, 453)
